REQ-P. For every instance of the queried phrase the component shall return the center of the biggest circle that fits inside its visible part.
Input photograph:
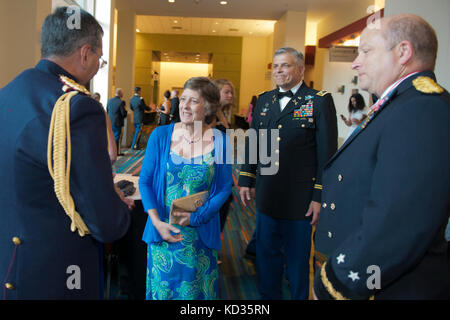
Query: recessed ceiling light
(198, 55)
(223, 2)
(175, 21)
(216, 23)
(171, 1)
(214, 31)
(137, 30)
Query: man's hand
(247, 194)
(129, 202)
(314, 209)
(314, 294)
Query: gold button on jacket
(9, 286)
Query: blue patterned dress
(185, 270)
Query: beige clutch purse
(189, 203)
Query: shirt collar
(294, 89)
(53, 68)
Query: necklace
(191, 141)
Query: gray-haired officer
(385, 201)
(55, 214)
(288, 202)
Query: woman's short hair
(167, 94)
(209, 91)
(59, 38)
(360, 103)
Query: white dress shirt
(285, 100)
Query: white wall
(437, 14)
(340, 73)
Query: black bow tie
(285, 94)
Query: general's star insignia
(341, 258)
(353, 275)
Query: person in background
(182, 159)
(117, 113)
(112, 147)
(164, 109)
(223, 123)
(51, 238)
(381, 231)
(174, 107)
(226, 104)
(356, 115)
(251, 106)
(137, 104)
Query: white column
(290, 31)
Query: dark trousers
(117, 136)
(132, 253)
(224, 212)
(251, 246)
(137, 135)
(280, 242)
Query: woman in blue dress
(182, 159)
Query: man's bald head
(119, 92)
(416, 30)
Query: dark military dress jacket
(137, 104)
(116, 111)
(385, 202)
(40, 257)
(307, 137)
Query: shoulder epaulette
(322, 93)
(260, 94)
(71, 85)
(426, 85)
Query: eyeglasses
(103, 62)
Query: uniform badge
(274, 99)
(264, 109)
(70, 85)
(322, 93)
(309, 97)
(427, 85)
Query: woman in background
(356, 115)
(223, 123)
(164, 110)
(226, 89)
(182, 159)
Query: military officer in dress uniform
(385, 200)
(115, 108)
(55, 214)
(137, 104)
(288, 197)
